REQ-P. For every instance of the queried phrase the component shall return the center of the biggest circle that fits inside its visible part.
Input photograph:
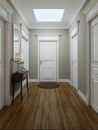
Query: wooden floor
(59, 108)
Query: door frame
(91, 13)
(51, 39)
(73, 33)
(93, 66)
(2, 66)
(72, 38)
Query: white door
(48, 61)
(94, 65)
(1, 65)
(75, 62)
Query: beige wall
(63, 52)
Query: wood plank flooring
(59, 108)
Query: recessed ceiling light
(49, 15)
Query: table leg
(13, 91)
(27, 83)
(21, 91)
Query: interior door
(94, 65)
(1, 65)
(48, 61)
(75, 61)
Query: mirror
(16, 43)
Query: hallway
(49, 109)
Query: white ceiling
(25, 9)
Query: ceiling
(25, 9)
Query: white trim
(17, 93)
(45, 28)
(33, 80)
(94, 22)
(83, 97)
(5, 10)
(73, 33)
(62, 80)
(7, 6)
(73, 29)
(92, 11)
(8, 101)
(94, 67)
(65, 80)
(49, 38)
(89, 6)
(7, 63)
(24, 19)
(95, 107)
(25, 35)
(59, 80)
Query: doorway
(74, 69)
(48, 59)
(94, 64)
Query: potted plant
(22, 64)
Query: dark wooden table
(19, 77)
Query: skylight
(49, 15)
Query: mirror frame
(15, 38)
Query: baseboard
(95, 107)
(65, 80)
(1, 106)
(8, 101)
(17, 93)
(60, 80)
(83, 97)
(33, 80)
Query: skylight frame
(49, 15)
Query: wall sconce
(18, 57)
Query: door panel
(94, 64)
(48, 60)
(95, 92)
(95, 43)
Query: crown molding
(90, 6)
(6, 6)
(5, 10)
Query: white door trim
(94, 67)
(2, 60)
(73, 33)
(91, 12)
(74, 37)
(48, 38)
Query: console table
(19, 77)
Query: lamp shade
(18, 56)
